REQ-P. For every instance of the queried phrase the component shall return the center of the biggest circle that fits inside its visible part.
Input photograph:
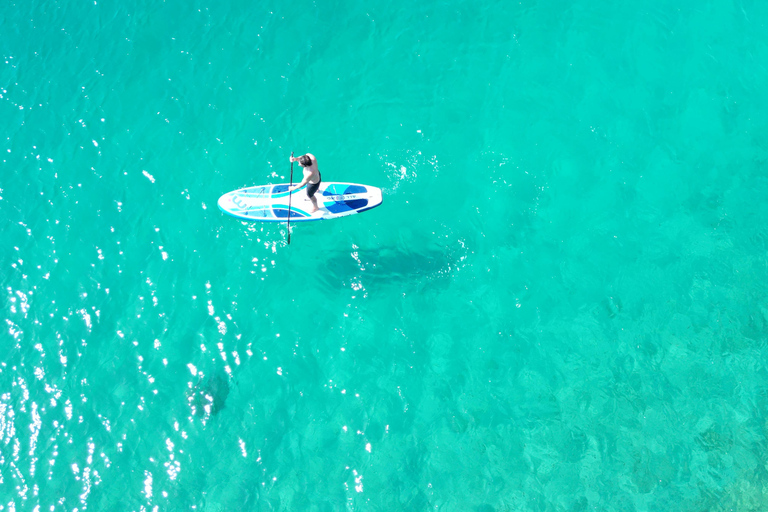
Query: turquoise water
(562, 304)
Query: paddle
(290, 195)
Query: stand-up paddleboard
(269, 203)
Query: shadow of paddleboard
(210, 394)
(391, 266)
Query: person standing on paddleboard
(312, 177)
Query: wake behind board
(269, 203)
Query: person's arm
(303, 182)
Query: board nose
(224, 201)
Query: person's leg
(311, 189)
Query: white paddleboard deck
(269, 203)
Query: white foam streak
(34, 427)
(148, 485)
(242, 447)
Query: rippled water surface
(562, 304)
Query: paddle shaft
(290, 195)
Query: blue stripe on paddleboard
(346, 206)
(278, 195)
(343, 188)
(261, 213)
(246, 209)
(283, 209)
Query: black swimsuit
(312, 187)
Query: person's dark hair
(305, 161)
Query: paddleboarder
(311, 179)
